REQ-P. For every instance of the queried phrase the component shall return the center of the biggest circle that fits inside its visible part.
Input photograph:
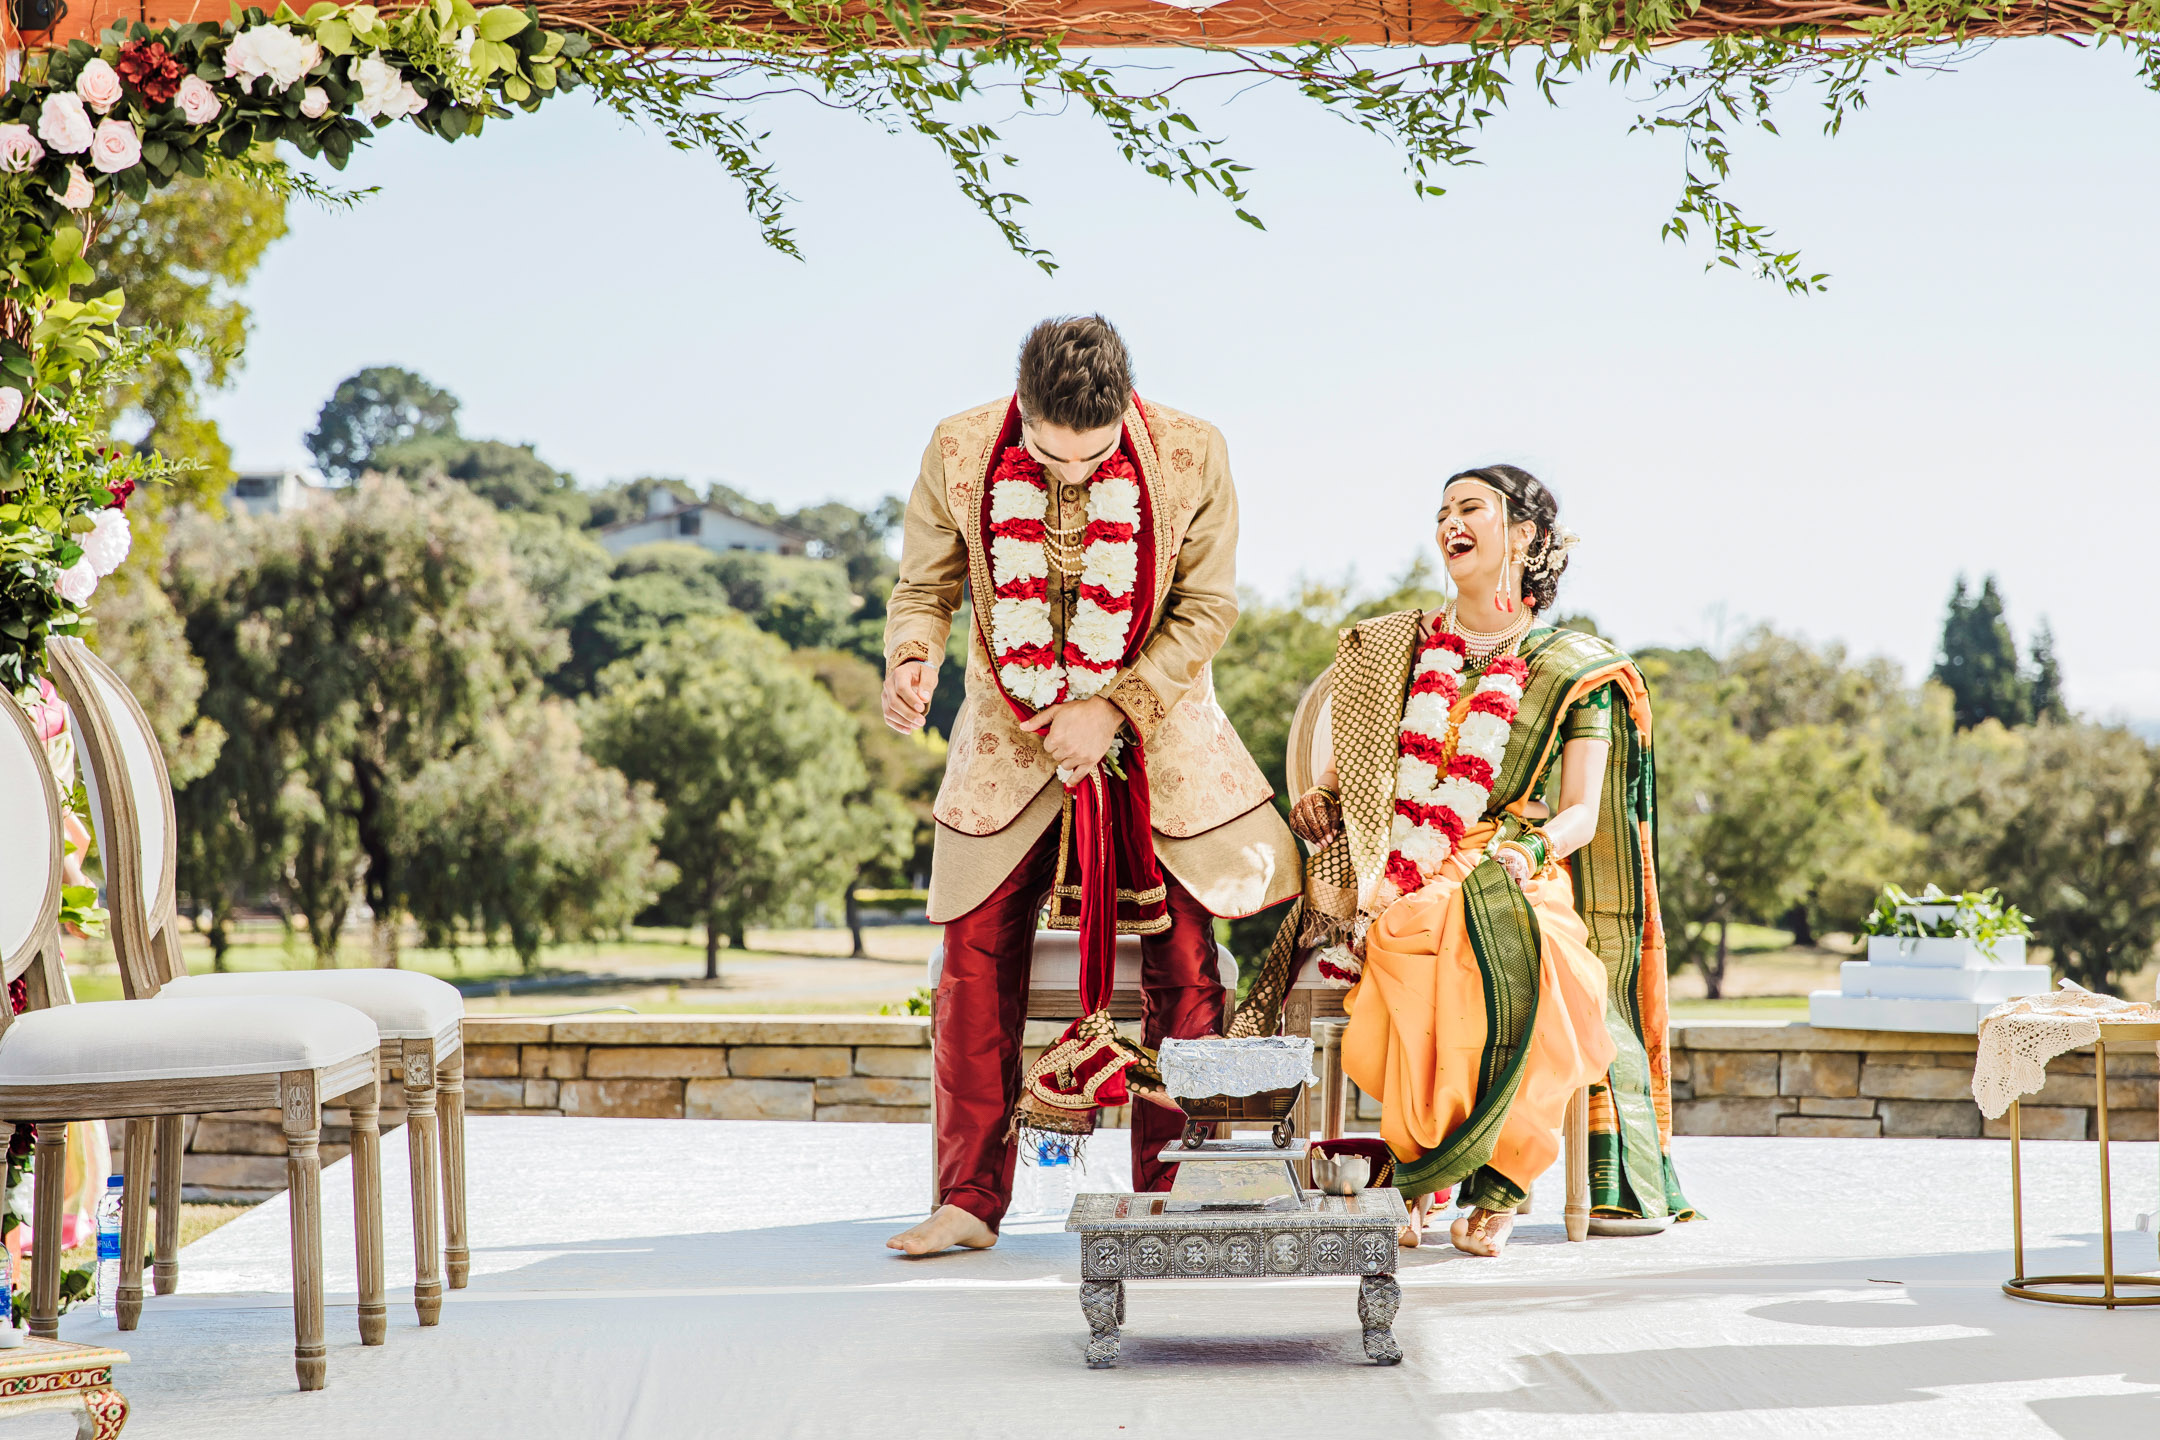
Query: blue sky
(1974, 394)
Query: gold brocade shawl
(1615, 876)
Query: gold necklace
(1483, 645)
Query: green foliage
(373, 410)
(769, 806)
(348, 647)
(1979, 661)
(565, 569)
(509, 477)
(520, 833)
(632, 500)
(1981, 916)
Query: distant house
(698, 523)
(273, 492)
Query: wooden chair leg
(1576, 1138)
(134, 1222)
(1334, 1085)
(165, 1268)
(421, 1142)
(48, 1199)
(302, 1108)
(450, 1092)
(364, 1105)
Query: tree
(2077, 842)
(509, 477)
(654, 589)
(372, 410)
(521, 833)
(1979, 661)
(2046, 685)
(348, 647)
(759, 768)
(182, 257)
(632, 499)
(564, 568)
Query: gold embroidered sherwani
(1215, 829)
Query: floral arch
(109, 100)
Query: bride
(1486, 881)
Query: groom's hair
(1074, 372)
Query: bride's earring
(1503, 594)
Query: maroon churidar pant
(982, 1011)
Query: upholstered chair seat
(403, 1005)
(124, 1041)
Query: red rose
(1404, 874)
(121, 490)
(1512, 666)
(1453, 644)
(1436, 682)
(1474, 768)
(1424, 747)
(150, 68)
(1492, 702)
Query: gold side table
(58, 1375)
(2021, 1285)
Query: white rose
(19, 149)
(115, 147)
(1018, 500)
(1111, 565)
(379, 81)
(1114, 499)
(99, 86)
(198, 103)
(409, 101)
(79, 193)
(1439, 661)
(271, 50)
(1465, 799)
(11, 404)
(1012, 559)
(64, 124)
(1483, 735)
(1082, 684)
(1506, 685)
(78, 582)
(315, 102)
(1020, 622)
(109, 540)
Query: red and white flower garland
(1443, 774)
(1099, 629)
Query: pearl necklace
(1483, 645)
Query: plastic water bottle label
(108, 1245)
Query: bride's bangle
(1321, 790)
(1530, 861)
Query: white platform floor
(693, 1279)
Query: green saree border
(1505, 938)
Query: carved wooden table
(1133, 1237)
(58, 1375)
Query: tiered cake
(1944, 985)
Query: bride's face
(1471, 537)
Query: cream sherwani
(1215, 829)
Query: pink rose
(19, 151)
(99, 86)
(314, 102)
(63, 123)
(79, 193)
(115, 147)
(198, 103)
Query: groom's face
(1070, 456)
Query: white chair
(1313, 1000)
(1054, 994)
(139, 1061)
(419, 1019)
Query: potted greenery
(1964, 931)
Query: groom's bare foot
(948, 1227)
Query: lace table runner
(1196, 1069)
(2019, 1037)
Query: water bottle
(108, 1246)
(1055, 1182)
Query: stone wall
(1728, 1079)
(1731, 1079)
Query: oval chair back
(30, 875)
(1299, 769)
(132, 806)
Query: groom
(1096, 534)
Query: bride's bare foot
(1482, 1232)
(1413, 1234)
(949, 1226)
